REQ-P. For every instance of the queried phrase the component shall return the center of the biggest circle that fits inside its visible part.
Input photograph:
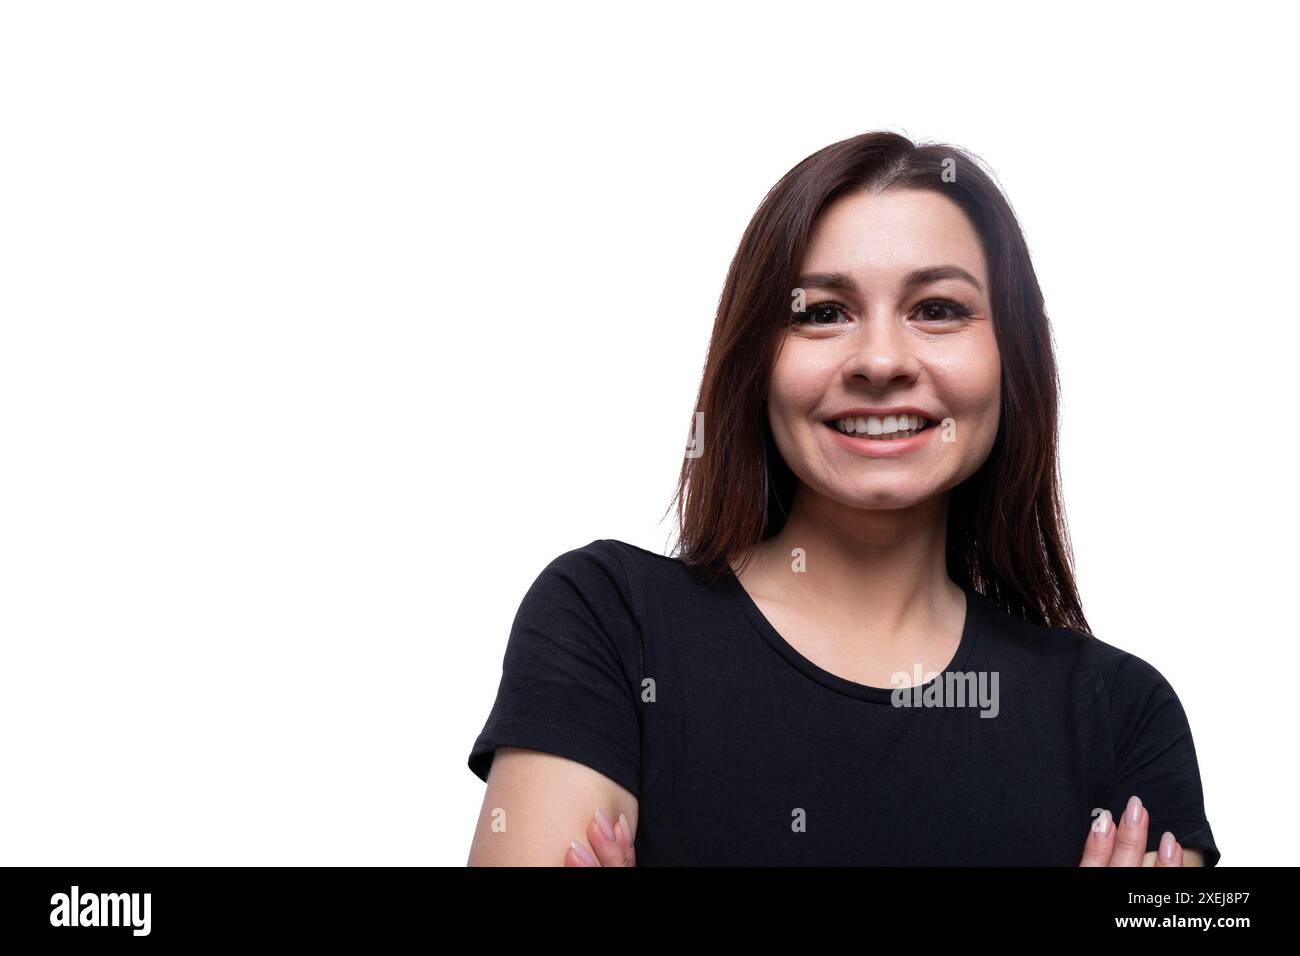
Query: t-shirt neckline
(971, 629)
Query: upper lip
(863, 411)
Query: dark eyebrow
(838, 281)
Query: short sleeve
(1155, 757)
(571, 671)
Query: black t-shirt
(741, 751)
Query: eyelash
(801, 318)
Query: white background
(327, 325)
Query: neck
(878, 572)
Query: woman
(869, 648)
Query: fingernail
(627, 829)
(1102, 823)
(583, 853)
(605, 826)
(1134, 811)
(1167, 847)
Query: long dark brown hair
(1007, 536)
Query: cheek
(799, 380)
(970, 387)
(971, 384)
(796, 387)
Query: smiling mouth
(888, 428)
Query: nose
(882, 353)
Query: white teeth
(885, 429)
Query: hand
(1125, 845)
(612, 843)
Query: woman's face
(877, 336)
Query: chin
(883, 499)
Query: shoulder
(611, 581)
(1138, 696)
(1125, 678)
(608, 552)
(1044, 649)
(600, 556)
(1111, 672)
(628, 568)
(601, 565)
(1130, 691)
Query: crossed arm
(543, 810)
(536, 804)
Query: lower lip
(879, 447)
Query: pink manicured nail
(605, 826)
(1102, 823)
(627, 829)
(1167, 843)
(1134, 811)
(583, 853)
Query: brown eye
(823, 314)
(937, 310)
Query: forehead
(877, 236)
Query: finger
(1131, 835)
(605, 842)
(579, 855)
(1170, 851)
(627, 839)
(1100, 842)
